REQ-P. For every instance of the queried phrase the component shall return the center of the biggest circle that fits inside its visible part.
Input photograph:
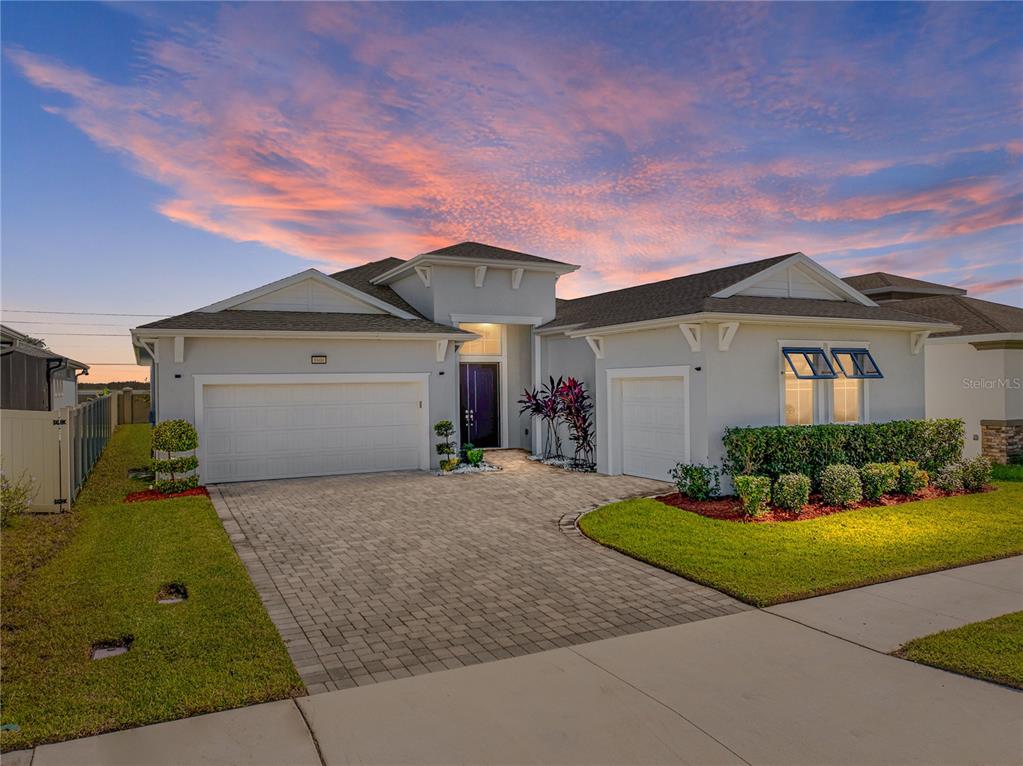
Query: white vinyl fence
(58, 449)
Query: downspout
(61, 365)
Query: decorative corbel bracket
(692, 333)
(726, 332)
(596, 344)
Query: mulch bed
(152, 494)
(730, 508)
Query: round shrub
(840, 485)
(976, 473)
(170, 486)
(791, 491)
(912, 478)
(175, 436)
(474, 456)
(176, 464)
(878, 479)
(696, 481)
(950, 478)
(754, 492)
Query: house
(318, 374)
(32, 377)
(975, 372)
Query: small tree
(175, 472)
(444, 429)
(545, 404)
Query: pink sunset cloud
(340, 134)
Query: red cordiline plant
(545, 405)
(577, 412)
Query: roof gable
(309, 290)
(471, 254)
(795, 277)
(360, 278)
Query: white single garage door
(274, 431)
(654, 429)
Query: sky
(159, 157)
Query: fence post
(127, 394)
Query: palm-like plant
(576, 409)
(545, 404)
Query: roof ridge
(976, 312)
(777, 258)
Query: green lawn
(766, 564)
(1007, 472)
(991, 650)
(216, 650)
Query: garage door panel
(654, 425)
(266, 431)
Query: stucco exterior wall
(567, 357)
(963, 382)
(453, 291)
(219, 356)
(742, 386)
(520, 376)
(744, 383)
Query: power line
(93, 334)
(55, 323)
(80, 313)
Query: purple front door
(479, 396)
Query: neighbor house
(318, 374)
(32, 377)
(974, 372)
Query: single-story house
(32, 377)
(327, 374)
(975, 372)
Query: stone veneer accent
(1001, 440)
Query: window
(809, 363)
(489, 343)
(846, 397)
(856, 363)
(799, 386)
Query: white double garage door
(274, 430)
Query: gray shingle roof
(691, 294)
(480, 251)
(359, 277)
(296, 321)
(880, 280)
(974, 316)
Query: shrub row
(809, 450)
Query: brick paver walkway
(382, 576)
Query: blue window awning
(809, 363)
(856, 363)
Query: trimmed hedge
(175, 436)
(840, 485)
(878, 479)
(776, 450)
(696, 481)
(176, 464)
(912, 478)
(754, 492)
(791, 491)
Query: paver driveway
(380, 576)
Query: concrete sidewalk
(887, 615)
(755, 688)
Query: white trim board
(457, 319)
(614, 457)
(291, 378)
